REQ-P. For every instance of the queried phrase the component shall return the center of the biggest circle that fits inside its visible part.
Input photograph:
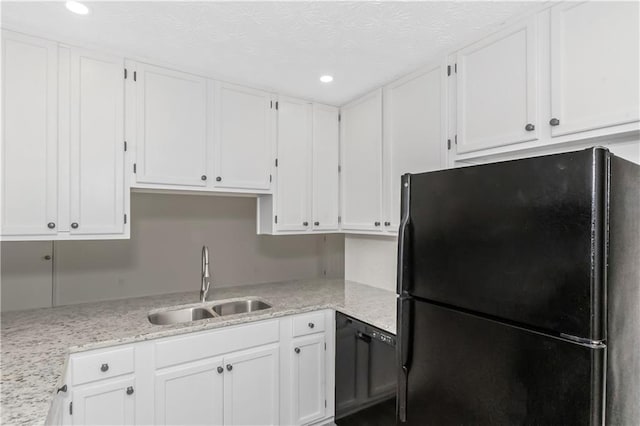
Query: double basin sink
(206, 311)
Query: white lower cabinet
(190, 394)
(107, 402)
(308, 379)
(269, 372)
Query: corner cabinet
(63, 142)
(361, 162)
(497, 89)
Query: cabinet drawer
(308, 324)
(102, 365)
(192, 347)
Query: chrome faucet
(204, 286)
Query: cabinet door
(308, 379)
(326, 158)
(190, 394)
(171, 127)
(29, 136)
(97, 143)
(594, 65)
(251, 387)
(361, 149)
(244, 148)
(497, 90)
(294, 161)
(108, 402)
(414, 132)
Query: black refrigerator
(519, 293)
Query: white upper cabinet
(497, 90)
(326, 159)
(171, 127)
(594, 65)
(244, 142)
(97, 143)
(29, 137)
(361, 157)
(293, 171)
(414, 132)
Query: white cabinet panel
(414, 126)
(326, 158)
(308, 379)
(97, 143)
(108, 402)
(190, 394)
(594, 65)
(29, 136)
(361, 156)
(171, 127)
(251, 387)
(243, 147)
(497, 90)
(293, 171)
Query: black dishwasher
(365, 374)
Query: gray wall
(163, 254)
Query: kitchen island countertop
(36, 342)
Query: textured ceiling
(280, 46)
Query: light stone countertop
(35, 343)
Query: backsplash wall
(163, 255)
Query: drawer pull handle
(229, 367)
(554, 122)
(220, 370)
(104, 367)
(297, 350)
(130, 390)
(311, 325)
(529, 127)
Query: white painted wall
(163, 254)
(371, 260)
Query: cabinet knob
(130, 390)
(316, 223)
(51, 225)
(529, 127)
(297, 350)
(203, 177)
(305, 223)
(229, 367)
(387, 224)
(104, 368)
(218, 179)
(220, 370)
(311, 325)
(377, 223)
(47, 257)
(74, 225)
(554, 122)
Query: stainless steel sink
(180, 315)
(239, 307)
(207, 311)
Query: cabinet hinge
(339, 219)
(125, 73)
(135, 75)
(325, 403)
(455, 139)
(125, 218)
(276, 218)
(448, 70)
(276, 105)
(325, 346)
(448, 144)
(276, 162)
(271, 104)
(71, 407)
(339, 168)
(270, 178)
(339, 117)
(135, 168)
(455, 68)
(125, 146)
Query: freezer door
(519, 240)
(464, 369)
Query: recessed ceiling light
(77, 7)
(326, 78)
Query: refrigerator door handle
(404, 355)
(404, 237)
